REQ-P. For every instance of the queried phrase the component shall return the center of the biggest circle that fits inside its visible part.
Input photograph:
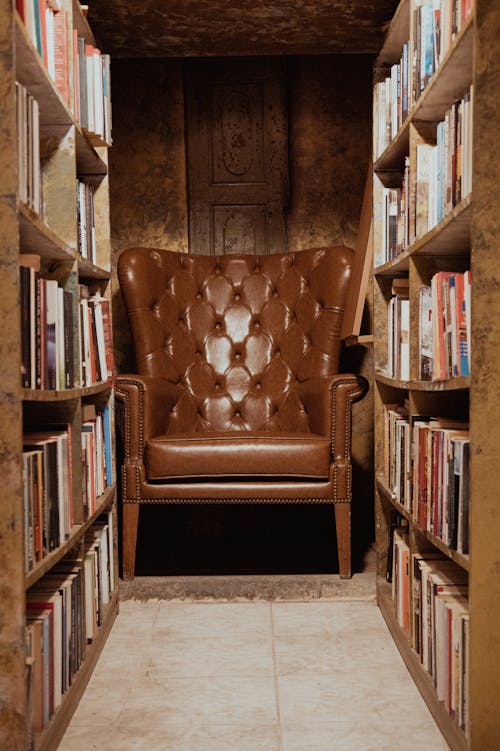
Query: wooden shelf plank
(461, 383)
(459, 558)
(45, 395)
(397, 35)
(87, 270)
(451, 237)
(393, 158)
(32, 73)
(363, 339)
(450, 81)
(36, 237)
(449, 728)
(88, 162)
(50, 738)
(76, 535)
(81, 24)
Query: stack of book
(390, 105)
(47, 27)
(400, 576)
(395, 220)
(86, 221)
(96, 362)
(397, 454)
(440, 482)
(445, 326)
(28, 149)
(436, 23)
(439, 612)
(48, 492)
(97, 469)
(47, 339)
(398, 363)
(93, 90)
(63, 612)
(444, 171)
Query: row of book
(97, 465)
(444, 309)
(47, 337)
(444, 170)
(430, 596)
(47, 491)
(96, 360)
(46, 25)
(69, 57)
(28, 149)
(48, 479)
(85, 219)
(436, 24)
(93, 90)
(391, 104)
(439, 180)
(398, 328)
(63, 613)
(426, 469)
(48, 333)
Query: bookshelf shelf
(46, 395)
(88, 161)
(461, 383)
(50, 738)
(451, 237)
(439, 298)
(32, 73)
(451, 79)
(35, 234)
(78, 531)
(56, 310)
(453, 734)
(459, 558)
(392, 159)
(397, 35)
(88, 270)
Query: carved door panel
(237, 140)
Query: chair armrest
(327, 402)
(147, 403)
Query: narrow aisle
(251, 676)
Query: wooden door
(237, 141)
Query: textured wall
(330, 111)
(147, 169)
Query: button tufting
(275, 293)
(199, 296)
(237, 413)
(237, 355)
(237, 296)
(218, 325)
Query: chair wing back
(236, 333)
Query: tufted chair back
(236, 333)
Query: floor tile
(322, 618)
(362, 734)
(248, 702)
(242, 654)
(222, 619)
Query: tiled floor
(251, 676)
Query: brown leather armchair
(237, 397)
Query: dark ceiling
(197, 28)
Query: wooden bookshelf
(465, 238)
(67, 151)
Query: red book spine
(108, 337)
(20, 10)
(42, 7)
(61, 53)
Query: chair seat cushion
(196, 456)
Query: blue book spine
(108, 461)
(38, 28)
(427, 42)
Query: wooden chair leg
(130, 521)
(343, 527)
